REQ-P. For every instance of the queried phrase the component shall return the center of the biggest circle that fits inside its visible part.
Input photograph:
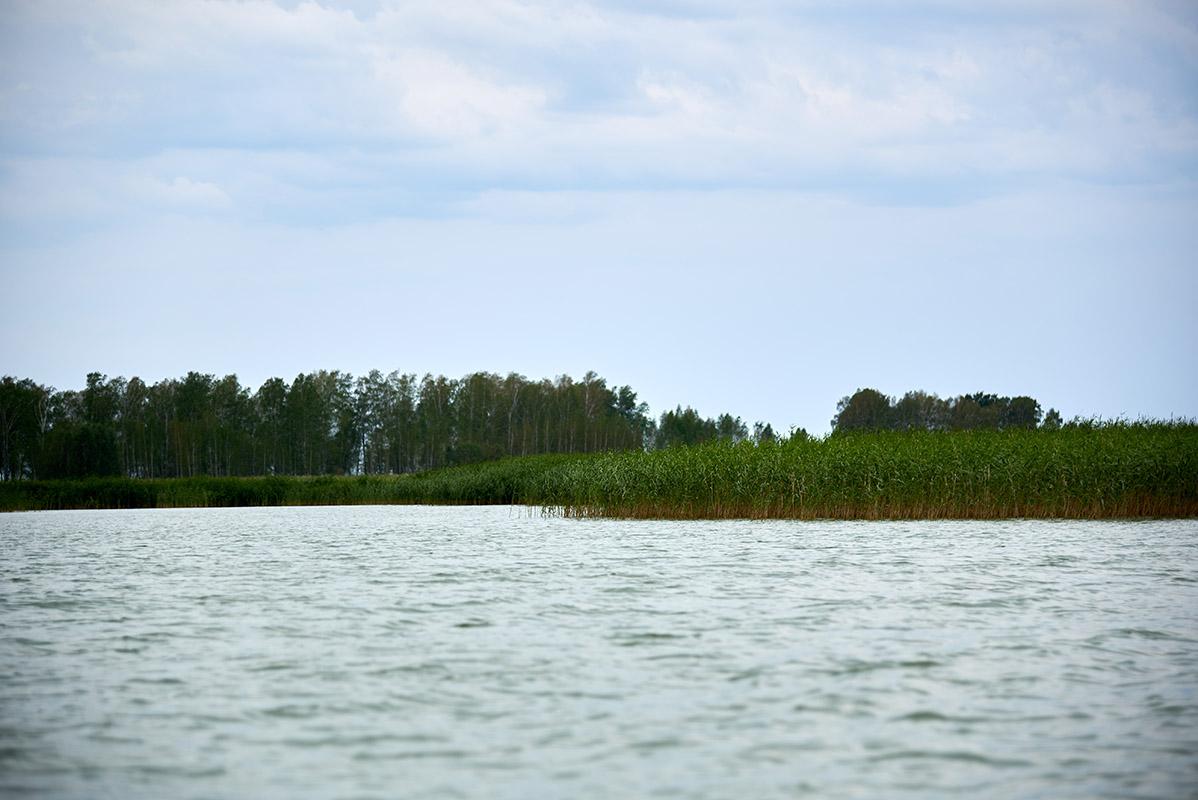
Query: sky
(754, 207)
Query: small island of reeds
(1113, 470)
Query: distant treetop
(869, 409)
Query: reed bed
(496, 482)
(1109, 471)
(1114, 471)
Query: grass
(1110, 471)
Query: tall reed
(1111, 471)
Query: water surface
(485, 652)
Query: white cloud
(279, 106)
(50, 192)
(180, 192)
(437, 96)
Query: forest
(321, 423)
(331, 423)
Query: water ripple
(484, 652)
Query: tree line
(324, 423)
(329, 422)
(869, 409)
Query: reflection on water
(483, 652)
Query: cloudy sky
(748, 206)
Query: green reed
(495, 482)
(1107, 471)
(1117, 470)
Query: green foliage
(1103, 470)
(870, 410)
(1114, 470)
(318, 424)
(865, 410)
(77, 450)
(505, 481)
(683, 427)
(686, 427)
(23, 409)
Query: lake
(454, 652)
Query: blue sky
(755, 207)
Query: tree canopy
(869, 409)
(318, 423)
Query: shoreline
(1115, 472)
